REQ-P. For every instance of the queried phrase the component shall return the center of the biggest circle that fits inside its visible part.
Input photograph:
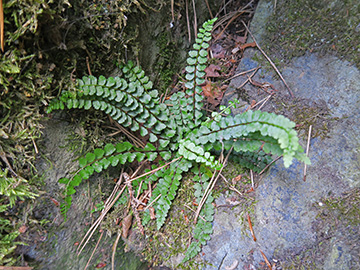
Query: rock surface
(287, 220)
(53, 245)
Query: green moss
(323, 26)
(166, 63)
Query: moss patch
(338, 219)
(322, 26)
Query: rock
(286, 219)
(53, 246)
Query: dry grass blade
(263, 102)
(271, 62)
(207, 4)
(227, 25)
(230, 14)
(114, 251)
(249, 77)
(133, 203)
(120, 129)
(307, 151)
(210, 187)
(230, 186)
(155, 170)
(241, 73)
(92, 254)
(2, 25)
(187, 19)
(108, 205)
(192, 210)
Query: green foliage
(14, 188)
(203, 228)
(177, 129)
(8, 241)
(11, 189)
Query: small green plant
(178, 132)
(11, 189)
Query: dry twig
(267, 166)
(241, 73)
(249, 77)
(195, 19)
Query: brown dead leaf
(217, 51)
(236, 179)
(126, 224)
(213, 93)
(23, 229)
(101, 265)
(240, 39)
(212, 71)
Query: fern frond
(130, 103)
(168, 183)
(254, 129)
(255, 161)
(101, 159)
(191, 151)
(195, 73)
(203, 228)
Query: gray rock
(287, 207)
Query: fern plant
(176, 130)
